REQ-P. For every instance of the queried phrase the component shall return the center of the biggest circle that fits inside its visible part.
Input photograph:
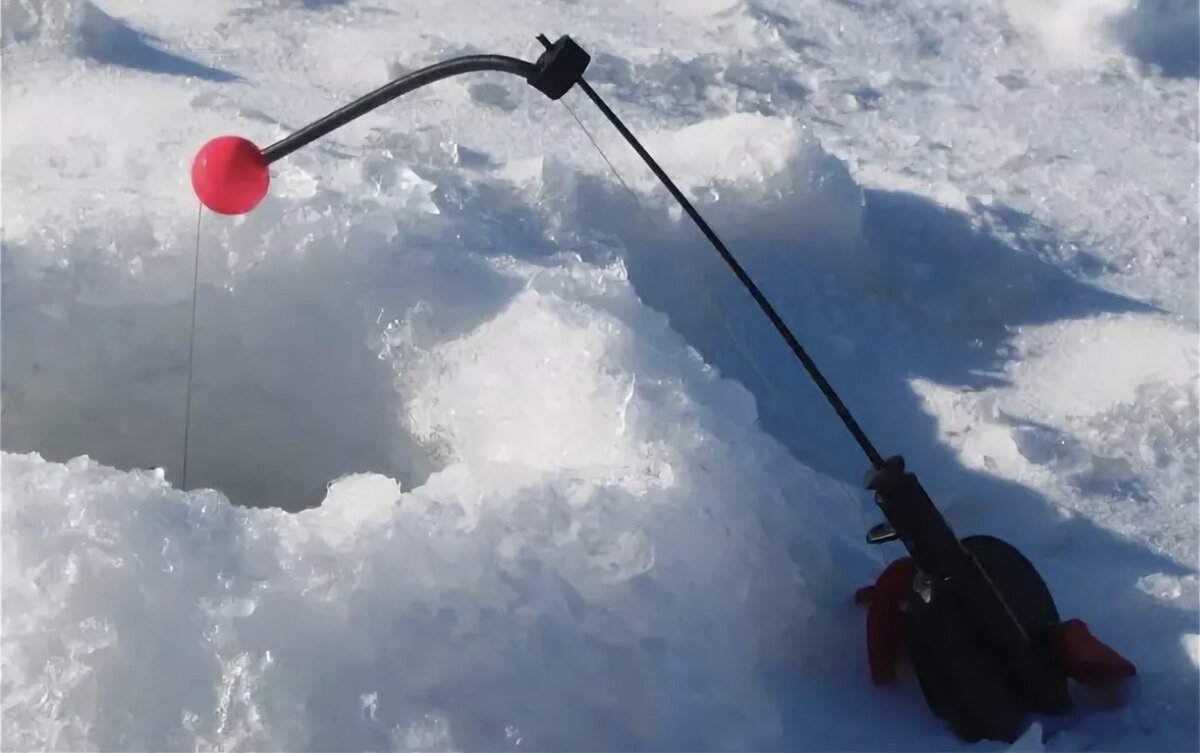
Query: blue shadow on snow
(109, 40)
(1164, 34)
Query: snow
(488, 450)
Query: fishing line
(699, 279)
(835, 401)
(187, 413)
(701, 283)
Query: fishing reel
(975, 619)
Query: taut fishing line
(187, 411)
(701, 283)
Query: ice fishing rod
(981, 626)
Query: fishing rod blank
(390, 91)
(230, 175)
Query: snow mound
(1074, 32)
(615, 526)
(1124, 432)
(1165, 34)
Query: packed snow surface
(488, 450)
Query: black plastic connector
(882, 533)
(559, 68)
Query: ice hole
(288, 391)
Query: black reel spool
(961, 680)
(976, 620)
